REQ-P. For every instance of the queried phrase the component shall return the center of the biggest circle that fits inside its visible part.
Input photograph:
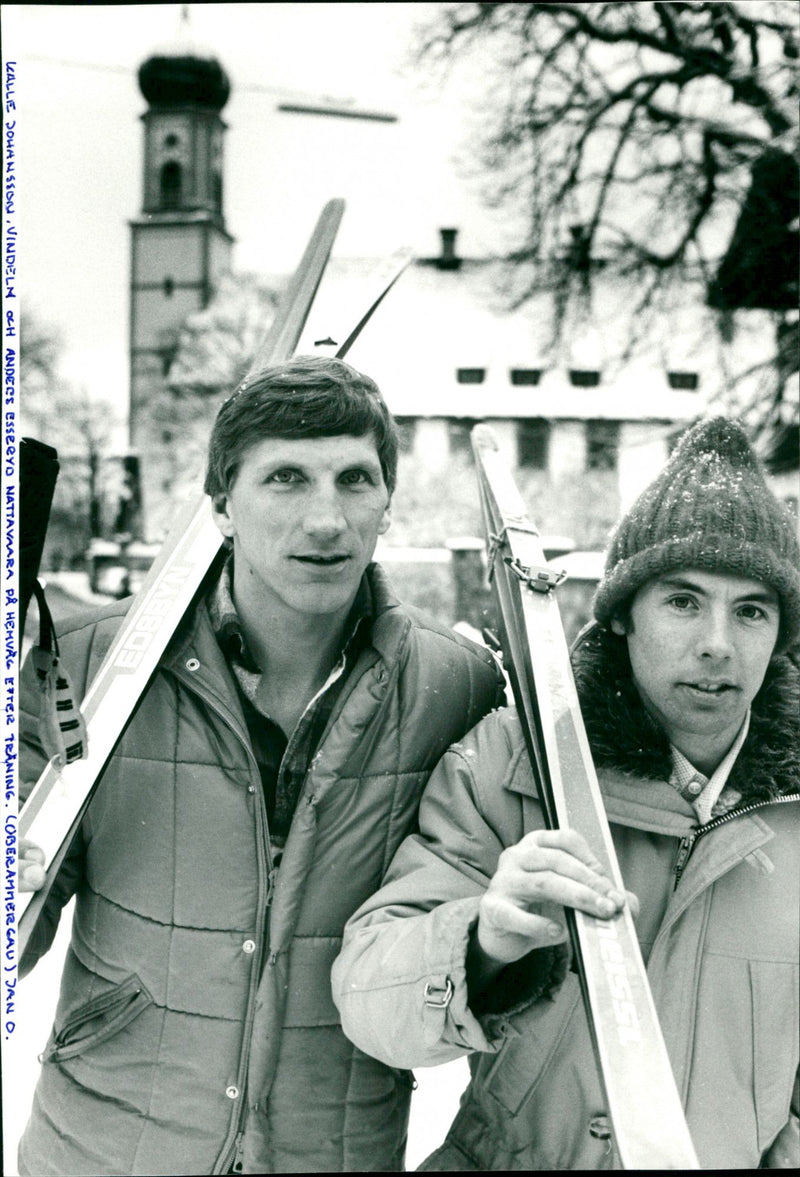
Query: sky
(79, 143)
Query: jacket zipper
(238, 1151)
(269, 872)
(688, 843)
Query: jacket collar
(390, 626)
(391, 623)
(623, 737)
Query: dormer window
(470, 375)
(529, 376)
(584, 377)
(683, 381)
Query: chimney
(579, 250)
(448, 259)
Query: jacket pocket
(98, 1020)
(534, 1038)
(776, 1050)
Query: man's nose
(324, 515)
(716, 639)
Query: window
(525, 375)
(170, 183)
(470, 375)
(458, 431)
(602, 445)
(683, 381)
(406, 428)
(167, 353)
(584, 378)
(533, 443)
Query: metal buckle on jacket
(437, 997)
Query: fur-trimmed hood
(623, 736)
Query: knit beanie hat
(709, 508)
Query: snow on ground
(433, 1105)
(433, 1108)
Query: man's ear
(221, 516)
(386, 520)
(618, 627)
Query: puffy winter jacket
(719, 934)
(195, 1030)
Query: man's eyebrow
(272, 464)
(764, 596)
(680, 582)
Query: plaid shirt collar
(228, 628)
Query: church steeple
(185, 88)
(180, 245)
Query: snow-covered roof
(436, 322)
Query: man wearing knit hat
(688, 684)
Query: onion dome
(184, 74)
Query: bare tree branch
(634, 137)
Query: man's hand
(30, 873)
(522, 908)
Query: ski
(338, 307)
(649, 1127)
(58, 801)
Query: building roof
(444, 343)
(437, 324)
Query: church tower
(180, 248)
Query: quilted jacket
(718, 928)
(195, 1031)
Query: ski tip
(401, 259)
(484, 438)
(335, 206)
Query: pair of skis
(59, 799)
(650, 1130)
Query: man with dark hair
(311, 396)
(255, 800)
(691, 708)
